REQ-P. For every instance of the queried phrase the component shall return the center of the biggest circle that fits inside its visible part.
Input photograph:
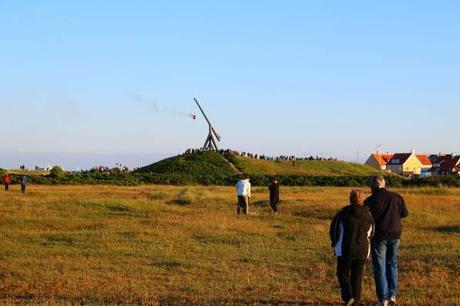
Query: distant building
(445, 164)
(437, 160)
(426, 169)
(451, 166)
(409, 164)
(379, 161)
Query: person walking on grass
(351, 231)
(274, 189)
(24, 181)
(387, 208)
(243, 188)
(6, 181)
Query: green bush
(132, 179)
(57, 172)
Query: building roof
(424, 159)
(399, 158)
(450, 163)
(439, 158)
(382, 159)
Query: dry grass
(164, 244)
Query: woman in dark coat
(351, 232)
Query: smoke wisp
(162, 108)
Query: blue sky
(106, 80)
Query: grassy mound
(212, 163)
(197, 164)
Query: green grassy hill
(301, 167)
(211, 163)
(197, 164)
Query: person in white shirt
(243, 188)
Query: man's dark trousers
(243, 204)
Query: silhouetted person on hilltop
(274, 189)
(387, 208)
(6, 181)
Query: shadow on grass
(181, 201)
(166, 264)
(260, 203)
(321, 214)
(184, 197)
(218, 240)
(287, 237)
(58, 240)
(448, 229)
(246, 260)
(255, 301)
(123, 210)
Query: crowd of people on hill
(37, 168)
(104, 169)
(365, 228)
(119, 167)
(263, 156)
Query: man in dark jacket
(274, 189)
(387, 208)
(351, 231)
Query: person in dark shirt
(274, 188)
(24, 181)
(351, 231)
(387, 208)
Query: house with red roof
(409, 164)
(379, 161)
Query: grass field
(164, 244)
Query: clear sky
(107, 80)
